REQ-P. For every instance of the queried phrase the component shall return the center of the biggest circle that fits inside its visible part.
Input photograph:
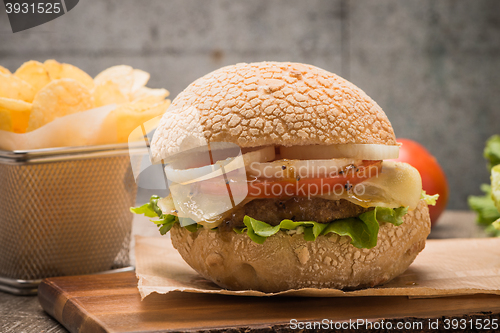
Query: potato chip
(14, 115)
(34, 73)
(66, 71)
(122, 75)
(149, 95)
(108, 93)
(13, 87)
(4, 70)
(58, 99)
(131, 115)
(5, 121)
(141, 78)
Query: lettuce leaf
(151, 209)
(394, 216)
(496, 224)
(145, 210)
(492, 151)
(258, 231)
(495, 185)
(484, 206)
(487, 212)
(363, 230)
(429, 199)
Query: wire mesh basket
(64, 211)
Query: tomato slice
(286, 188)
(264, 188)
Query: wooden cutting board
(111, 303)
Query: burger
(280, 178)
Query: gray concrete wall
(433, 66)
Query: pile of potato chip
(38, 93)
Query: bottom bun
(284, 261)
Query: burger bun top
(270, 103)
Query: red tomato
(433, 177)
(314, 186)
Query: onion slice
(261, 155)
(179, 174)
(350, 150)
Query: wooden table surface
(24, 313)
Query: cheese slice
(397, 185)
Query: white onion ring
(178, 174)
(261, 155)
(356, 151)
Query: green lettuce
(429, 199)
(484, 205)
(496, 225)
(363, 230)
(151, 209)
(492, 151)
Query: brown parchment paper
(91, 127)
(448, 267)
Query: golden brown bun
(285, 261)
(270, 103)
